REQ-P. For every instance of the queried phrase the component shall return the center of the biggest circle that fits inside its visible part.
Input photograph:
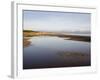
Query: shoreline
(71, 37)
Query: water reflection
(51, 51)
(27, 40)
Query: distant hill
(30, 31)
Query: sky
(56, 21)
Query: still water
(53, 52)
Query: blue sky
(56, 21)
